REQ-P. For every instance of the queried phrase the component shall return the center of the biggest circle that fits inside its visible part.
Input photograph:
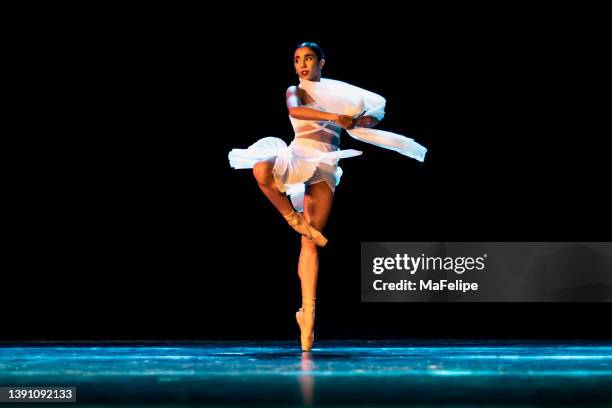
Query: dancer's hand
(365, 121)
(356, 119)
(345, 121)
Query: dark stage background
(130, 224)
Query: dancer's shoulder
(293, 97)
(296, 92)
(293, 90)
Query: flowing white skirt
(303, 162)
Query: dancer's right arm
(298, 111)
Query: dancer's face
(307, 65)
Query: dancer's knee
(308, 246)
(262, 172)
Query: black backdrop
(132, 225)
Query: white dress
(307, 161)
(303, 162)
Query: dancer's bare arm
(298, 111)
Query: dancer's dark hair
(313, 46)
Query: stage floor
(336, 373)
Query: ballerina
(300, 179)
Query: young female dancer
(307, 170)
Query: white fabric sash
(346, 99)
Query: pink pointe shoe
(297, 221)
(305, 317)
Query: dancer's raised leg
(265, 180)
(263, 174)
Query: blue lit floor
(349, 373)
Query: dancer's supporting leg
(317, 207)
(263, 174)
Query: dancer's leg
(263, 174)
(317, 207)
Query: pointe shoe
(299, 317)
(297, 221)
(306, 318)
